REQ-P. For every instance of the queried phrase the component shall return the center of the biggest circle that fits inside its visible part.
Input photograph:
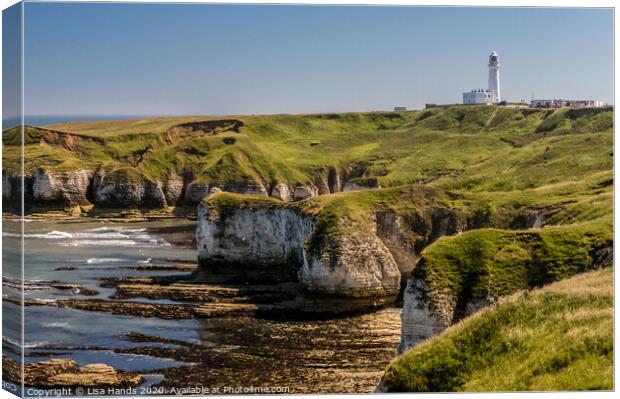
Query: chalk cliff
(269, 241)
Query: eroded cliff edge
(174, 165)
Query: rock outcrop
(197, 191)
(343, 247)
(66, 373)
(6, 186)
(282, 191)
(459, 275)
(121, 190)
(352, 265)
(130, 187)
(418, 321)
(305, 191)
(270, 244)
(360, 184)
(173, 189)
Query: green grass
(223, 202)
(559, 337)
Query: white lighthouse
(490, 95)
(494, 77)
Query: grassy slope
(559, 337)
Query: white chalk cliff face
(6, 186)
(257, 237)
(419, 320)
(125, 192)
(68, 187)
(355, 265)
(352, 266)
(109, 189)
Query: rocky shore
(244, 330)
(58, 373)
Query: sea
(43, 120)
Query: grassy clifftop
(487, 264)
(473, 148)
(559, 337)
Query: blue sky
(180, 59)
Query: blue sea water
(90, 252)
(43, 120)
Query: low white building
(478, 96)
(559, 103)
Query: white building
(494, 77)
(492, 94)
(477, 96)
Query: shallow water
(338, 355)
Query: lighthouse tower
(494, 77)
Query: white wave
(112, 234)
(52, 235)
(26, 345)
(99, 243)
(26, 285)
(101, 236)
(92, 261)
(56, 325)
(11, 341)
(117, 243)
(109, 232)
(112, 228)
(145, 261)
